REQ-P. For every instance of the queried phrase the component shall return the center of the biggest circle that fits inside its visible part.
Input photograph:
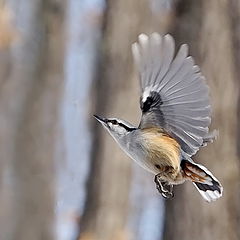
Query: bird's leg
(169, 190)
(163, 187)
(158, 183)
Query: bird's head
(116, 127)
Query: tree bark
(117, 95)
(29, 103)
(208, 27)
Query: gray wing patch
(174, 93)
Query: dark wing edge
(175, 95)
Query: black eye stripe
(126, 127)
(113, 122)
(122, 125)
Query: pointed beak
(101, 120)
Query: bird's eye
(114, 122)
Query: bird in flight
(175, 118)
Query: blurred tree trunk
(29, 102)
(117, 95)
(209, 27)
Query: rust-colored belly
(163, 151)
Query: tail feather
(207, 185)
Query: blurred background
(61, 175)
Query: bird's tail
(208, 186)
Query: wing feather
(175, 95)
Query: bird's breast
(162, 150)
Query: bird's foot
(165, 189)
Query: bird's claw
(165, 189)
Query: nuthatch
(175, 118)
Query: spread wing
(174, 93)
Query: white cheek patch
(118, 129)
